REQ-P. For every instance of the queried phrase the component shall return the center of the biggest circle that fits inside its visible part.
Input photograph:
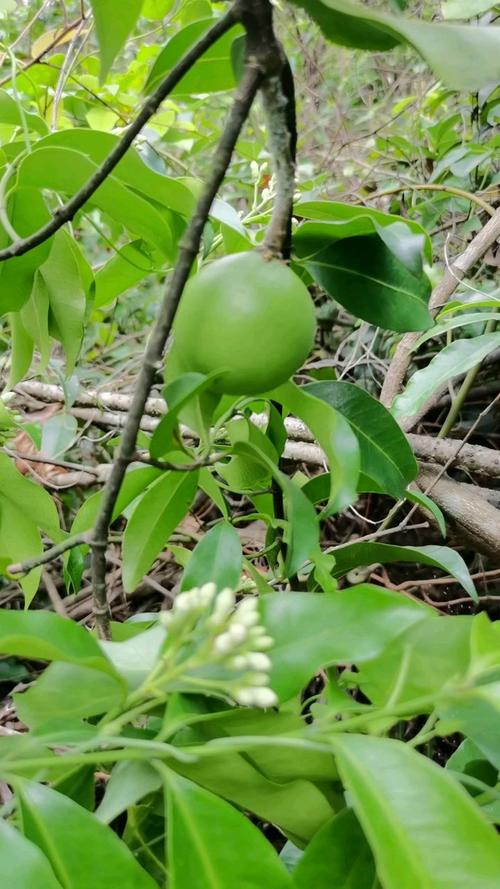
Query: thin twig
(49, 555)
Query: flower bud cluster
(232, 636)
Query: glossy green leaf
(66, 296)
(365, 276)
(68, 691)
(302, 532)
(335, 437)
(27, 213)
(312, 631)
(152, 522)
(385, 453)
(62, 829)
(216, 558)
(15, 114)
(29, 497)
(368, 553)
(337, 856)
(426, 503)
(129, 782)
(461, 320)
(126, 268)
(66, 171)
(23, 865)
(42, 635)
(20, 540)
(135, 482)
(182, 390)
(280, 784)
(423, 828)
(114, 21)
(213, 846)
(213, 72)
(347, 220)
(457, 358)
(465, 58)
(475, 712)
(131, 170)
(421, 661)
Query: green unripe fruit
(251, 318)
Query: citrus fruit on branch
(251, 318)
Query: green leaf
(458, 321)
(385, 453)
(24, 866)
(114, 22)
(182, 390)
(30, 498)
(66, 295)
(335, 437)
(338, 856)
(152, 522)
(131, 170)
(69, 692)
(463, 57)
(44, 636)
(365, 276)
(125, 269)
(213, 72)
(217, 558)
(20, 540)
(62, 829)
(27, 213)
(212, 846)
(457, 358)
(423, 828)
(465, 9)
(312, 631)
(135, 482)
(425, 502)
(405, 237)
(65, 171)
(449, 561)
(14, 114)
(476, 714)
(421, 661)
(129, 782)
(302, 534)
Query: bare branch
(49, 555)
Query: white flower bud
(223, 644)
(207, 593)
(258, 661)
(264, 642)
(239, 662)
(224, 604)
(257, 678)
(185, 601)
(245, 696)
(237, 632)
(165, 618)
(264, 697)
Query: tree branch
(154, 351)
(49, 555)
(67, 212)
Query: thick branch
(154, 351)
(452, 277)
(66, 213)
